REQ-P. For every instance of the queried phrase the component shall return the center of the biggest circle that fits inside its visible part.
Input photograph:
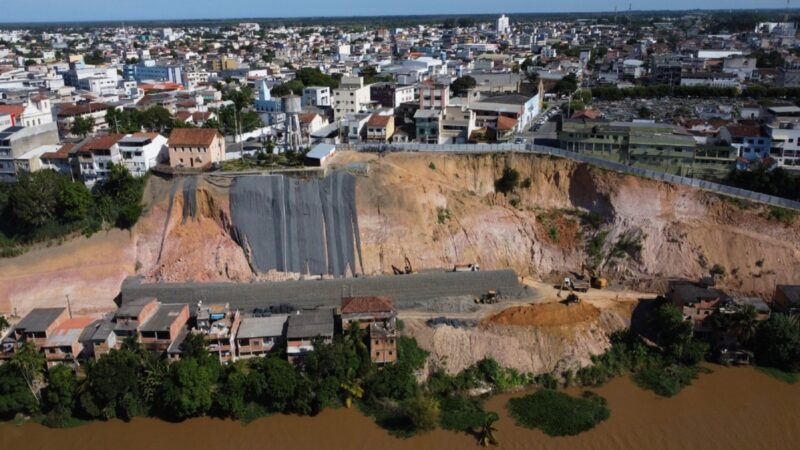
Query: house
(710, 79)
(318, 96)
(306, 326)
(378, 316)
(352, 96)
(130, 317)
(99, 338)
(35, 328)
(697, 301)
(142, 151)
(380, 128)
(258, 335)
(391, 95)
(68, 113)
(428, 125)
(458, 122)
(163, 327)
(787, 299)
(96, 156)
(319, 155)
(749, 139)
(17, 141)
(195, 148)
(310, 123)
(63, 344)
(433, 95)
(218, 323)
(58, 160)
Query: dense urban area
(406, 216)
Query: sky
(92, 10)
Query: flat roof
(133, 307)
(39, 319)
(309, 324)
(163, 318)
(251, 327)
(320, 151)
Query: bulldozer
(489, 298)
(595, 279)
(407, 270)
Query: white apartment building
(785, 143)
(316, 96)
(352, 96)
(503, 25)
(142, 151)
(96, 157)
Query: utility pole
(69, 307)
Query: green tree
(15, 396)
(488, 431)
(59, 396)
(672, 333)
(777, 344)
(508, 181)
(112, 386)
(422, 411)
(275, 383)
(462, 84)
(34, 198)
(75, 202)
(234, 389)
(156, 118)
(30, 364)
(188, 389)
(82, 126)
(3, 324)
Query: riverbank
(729, 408)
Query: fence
(599, 162)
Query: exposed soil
(546, 315)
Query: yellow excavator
(597, 281)
(407, 270)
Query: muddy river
(727, 409)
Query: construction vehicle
(489, 298)
(407, 270)
(573, 286)
(471, 267)
(572, 299)
(596, 281)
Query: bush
(666, 381)
(508, 182)
(461, 413)
(558, 414)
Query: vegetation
(559, 414)
(153, 119)
(462, 84)
(508, 182)
(44, 205)
(777, 182)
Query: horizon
(89, 10)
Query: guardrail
(561, 153)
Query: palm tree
(745, 324)
(353, 391)
(488, 431)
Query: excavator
(407, 270)
(597, 281)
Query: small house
(258, 335)
(306, 326)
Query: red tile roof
(14, 110)
(192, 137)
(379, 121)
(77, 110)
(100, 143)
(359, 305)
(61, 153)
(506, 123)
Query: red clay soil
(545, 315)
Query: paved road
(408, 291)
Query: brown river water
(728, 409)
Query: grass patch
(786, 377)
(432, 166)
(783, 215)
(666, 381)
(442, 215)
(558, 414)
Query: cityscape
(437, 230)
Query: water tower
(292, 107)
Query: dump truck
(573, 285)
(471, 267)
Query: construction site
(536, 277)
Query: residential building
(96, 111)
(304, 328)
(258, 335)
(16, 141)
(150, 70)
(58, 160)
(142, 151)
(320, 154)
(710, 79)
(391, 95)
(99, 338)
(787, 299)
(352, 96)
(164, 327)
(310, 123)
(96, 156)
(63, 344)
(789, 74)
(697, 301)
(666, 69)
(354, 127)
(196, 148)
(750, 140)
(503, 25)
(785, 136)
(319, 96)
(378, 316)
(218, 323)
(428, 125)
(521, 108)
(30, 161)
(35, 328)
(458, 123)
(380, 128)
(434, 95)
(130, 317)
(6, 120)
(741, 66)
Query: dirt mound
(546, 315)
